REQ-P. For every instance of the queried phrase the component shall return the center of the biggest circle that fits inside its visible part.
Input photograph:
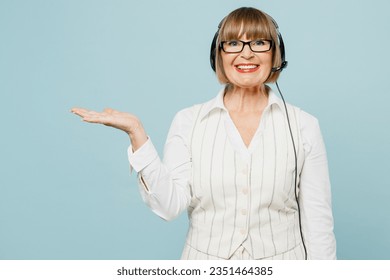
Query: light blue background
(65, 187)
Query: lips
(246, 68)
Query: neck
(246, 100)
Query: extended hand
(119, 120)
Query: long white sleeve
(315, 194)
(164, 185)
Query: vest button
(244, 190)
(242, 231)
(244, 212)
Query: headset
(213, 51)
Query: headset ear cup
(213, 48)
(282, 56)
(213, 51)
(282, 51)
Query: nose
(247, 52)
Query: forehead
(247, 29)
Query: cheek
(227, 64)
(267, 60)
(227, 60)
(267, 63)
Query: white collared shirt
(164, 184)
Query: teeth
(246, 66)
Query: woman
(251, 172)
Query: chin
(249, 85)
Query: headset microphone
(280, 68)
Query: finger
(95, 117)
(80, 111)
(86, 113)
(90, 120)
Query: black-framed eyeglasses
(236, 46)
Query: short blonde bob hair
(255, 24)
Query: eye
(259, 42)
(233, 43)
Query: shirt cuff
(143, 156)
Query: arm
(315, 193)
(164, 186)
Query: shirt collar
(217, 102)
(213, 104)
(274, 99)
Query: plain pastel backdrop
(66, 191)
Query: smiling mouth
(246, 68)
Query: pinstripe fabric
(238, 203)
(241, 253)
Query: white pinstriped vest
(249, 203)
